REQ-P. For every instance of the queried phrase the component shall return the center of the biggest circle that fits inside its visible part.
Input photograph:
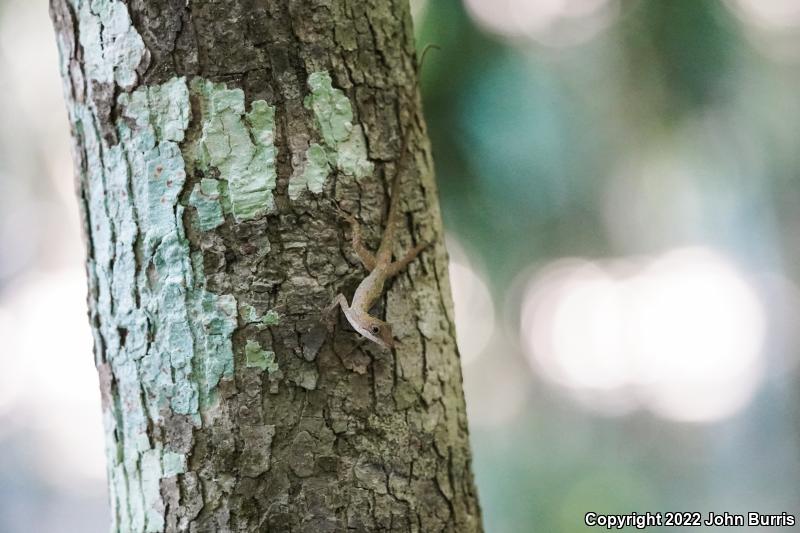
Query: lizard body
(380, 266)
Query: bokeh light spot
(553, 23)
(680, 334)
(58, 396)
(472, 302)
(770, 13)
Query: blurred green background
(619, 182)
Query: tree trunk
(213, 140)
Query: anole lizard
(380, 265)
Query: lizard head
(377, 331)
(370, 327)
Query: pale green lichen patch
(345, 145)
(151, 474)
(240, 146)
(261, 119)
(331, 108)
(314, 174)
(257, 357)
(195, 325)
(173, 464)
(112, 47)
(271, 318)
(351, 155)
(205, 199)
(168, 119)
(249, 315)
(218, 317)
(166, 338)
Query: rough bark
(212, 139)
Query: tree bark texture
(212, 141)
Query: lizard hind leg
(400, 264)
(366, 257)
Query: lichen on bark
(239, 146)
(205, 199)
(227, 406)
(168, 339)
(256, 357)
(344, 144)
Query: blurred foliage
(666, 122)
(538, 131)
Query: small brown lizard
(381, 269)
(380, 266)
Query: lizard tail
(385, 249)
(394, 202)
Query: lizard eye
(375, 330)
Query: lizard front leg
(330, 311)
